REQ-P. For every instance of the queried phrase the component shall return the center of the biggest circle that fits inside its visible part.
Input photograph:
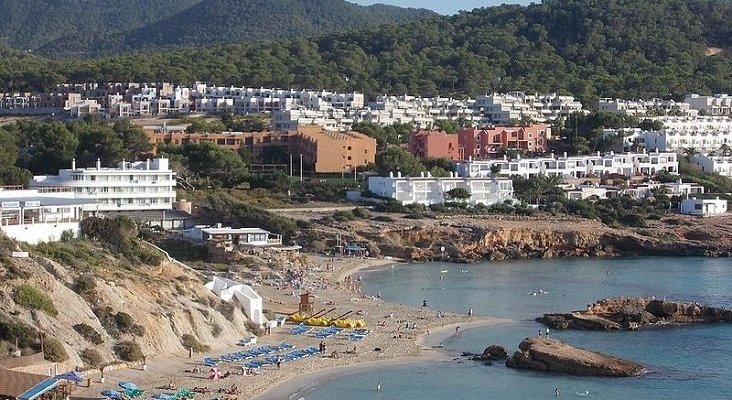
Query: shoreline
(430, 351)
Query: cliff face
(472, 241)
(164, 302)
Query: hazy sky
(443, 6)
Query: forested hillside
(67, 28)
(31, 24)
(628, 48)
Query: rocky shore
(496, 237)
(546, 354)
(625, 313)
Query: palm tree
(689, 152)
(725, 150)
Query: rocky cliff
(633, 313)
(474, 239)
(151, 306)
(546, 354)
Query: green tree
(214, 164)
(396, 159)
(10, 174)
(447, 125)
(459, 194)
(133, 138)
(97, 140)
(650, 125)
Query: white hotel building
(427, 190)
(705, 134)
(628, 164)
(141, 185)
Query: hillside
(89, 298)
(74, 27)
(589, 48)
(31, 24)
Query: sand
(386, 321)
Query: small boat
(444, 271)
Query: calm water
(685, 362)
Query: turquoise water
(684, 362)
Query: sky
(443, 6)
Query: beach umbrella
(128, 386)
(214, 374)
(112, 394)
(71, 376)
(162, 396)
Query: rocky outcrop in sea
(629, 313)
(547, 354)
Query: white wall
(703, 207)
(37, 233)
(229, 291)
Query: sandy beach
(389, 341)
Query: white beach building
(236, 236)
(234, 292)
(427, 190)
(34, 216)
(696, 206)
(141, 185)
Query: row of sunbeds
(246, 355)
(290, 356)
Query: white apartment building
(500, 108)
(721, 165)
(35, 216)
(427, 190)
(628, 164)
(642, 107)
(331, 119)
(141, 185)
(85, 107)
(705, 134)
(718, 104)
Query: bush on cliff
(91, 358)
(89, 333)
(129, 351)
(54, 351)
(190, 342)
(27, 296)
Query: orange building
(255, 142)
(434, 144)
(489, 143)
(331, 152)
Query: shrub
(27, 296)
(128, 351)
(383, 218)
(343, 216)
(318, 246)
(361, 213)
(126, 324)
(54, 351)
(89, 333)
(190, 342)
(91, 358)
(216, 329)
(254, 328)
(25, 334)
(67, 235)
(85, 283)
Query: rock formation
(546, 354)
(623, 313)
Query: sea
(683, 362)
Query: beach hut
(214, 374)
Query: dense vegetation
(627, 48)
(33, 24)
(75, 27)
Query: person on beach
(470, 312)
(556, 392)
(457, 329)
(539, 332)
(547, 331)
(378, 387)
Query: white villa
(235, 236)
(721, 165)
(641, 107)
(35, 216)
(232, 291)
(696, 206)
(427, 190)
(141, 185)
(718, 104)
(627, 164)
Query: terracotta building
(331, 152)
(489, 143)
(434, 144)
(263, 146)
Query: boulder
(547, 354)
(495, 352)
